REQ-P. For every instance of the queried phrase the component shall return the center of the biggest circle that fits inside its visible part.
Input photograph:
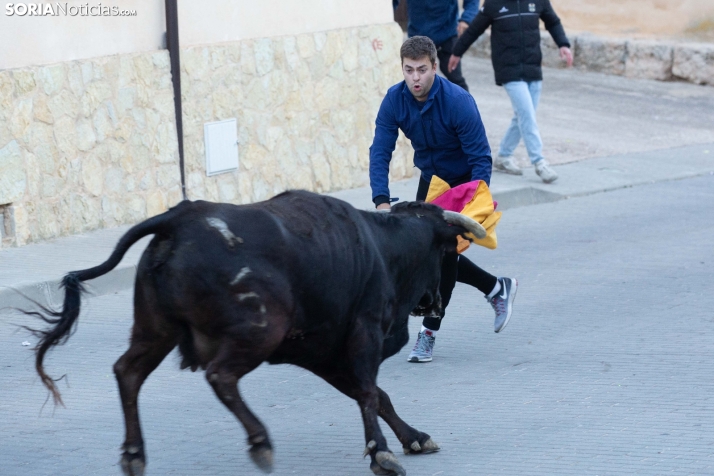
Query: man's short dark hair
(418, 47)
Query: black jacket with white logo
(515, 36)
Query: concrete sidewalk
(36, 270)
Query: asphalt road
(606, 367)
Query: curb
(629, 57)
(524, 197)
(51, 295)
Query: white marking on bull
(263, 310)
(370, 446)
(222, 227)
(245, 271)
(243, 296)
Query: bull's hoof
(428, 446)
(385, 463)
(262, 456)
(132, 465)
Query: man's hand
(384, 206)
(565, 54)
(461, 28)
(453, 62)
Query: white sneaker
(423, 349)
(502, 302)
(506, 165)
(545, 172)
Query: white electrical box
(221, 139)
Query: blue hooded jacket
(447, 135)
(437, 19)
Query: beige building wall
(86, 144)
(90, 142)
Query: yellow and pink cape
(472, 199)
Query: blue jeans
(524, 98)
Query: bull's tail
(63, 323)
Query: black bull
(301, 279)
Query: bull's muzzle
(430, 305)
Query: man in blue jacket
(440, 21)
(449, 140)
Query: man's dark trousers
(443, 52)
(455, 267)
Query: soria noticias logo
(64, 9)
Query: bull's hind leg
(152, 338)
(144, 355)
(225, 384)
(235, 359)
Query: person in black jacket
(516, 58)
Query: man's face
(419, 75)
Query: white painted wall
(212, 21)
(37, 40)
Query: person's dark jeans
(455, 268)
(443, 52)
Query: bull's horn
(462, 220)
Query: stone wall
(92, 143)
(86, 144)
(305, 107)
(634, 58)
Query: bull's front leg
(364, 352)
(383, 460)
(356, 376)
(413, 441)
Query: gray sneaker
(545, 172)
(506, 165)
(423, 348)
(502, 302)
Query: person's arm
(479, 24)
(467, 16)
(472, 134)
(555, 28)
(380, 154)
